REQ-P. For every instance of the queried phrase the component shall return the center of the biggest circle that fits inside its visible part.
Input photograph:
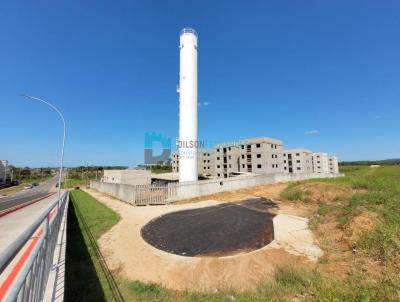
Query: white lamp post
(63, 140)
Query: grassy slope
(84, 278)
(376, 190)
(380, 193)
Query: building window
(219, 174)
(243, 166)
(284, 161)
(297, 154)
(272, 146)
(205, 161)
(272, 156)
(259, 166)
(258, 145)
(218, 166)
(230, 166)
(205, 168)
(229, 157)
(242, 146)
(276, 155)
(298, 168)
(208, 168)
(298, 161)
(218, 151)
(284, 154)
(218, 158)
(242, 155)
(273, 165)
(258, 155)
(229, 148)
(285, 168)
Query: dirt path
(131, 257)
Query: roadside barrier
(26, 263)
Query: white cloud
(203, 104)
(311, 132)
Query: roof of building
(253, 140)
(262, 140)
(166, 176)
(297, 151)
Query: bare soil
(131, 257)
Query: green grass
(85, 279)
(99, 217)
(377, 190)
(293, 193)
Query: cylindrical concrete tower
(188, 106)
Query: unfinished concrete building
(205, 162)
(320, 163)
(255, 155)
(4, 171)
(298, 161)
(333, 164)
(127, 177)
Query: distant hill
(393, 161)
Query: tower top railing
(188, 30)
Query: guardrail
(26, 263)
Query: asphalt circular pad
(219, 230)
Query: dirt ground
(131, 257)
(271, 191)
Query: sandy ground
(131, 257)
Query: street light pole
(63, 140)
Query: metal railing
(26, 263)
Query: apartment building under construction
(298, 161)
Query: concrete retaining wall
(178, 191)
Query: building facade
(4, 172)
(256, 155)
(205, 162)
(127, 177)
(320, 163)
(298, 161)
(333, 164)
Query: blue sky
(322, 75)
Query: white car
(28, 187)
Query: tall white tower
(188, 106)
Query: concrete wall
(128, 177)
(207, 187)
(333, 164)
(178, 191)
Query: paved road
(28, 195)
